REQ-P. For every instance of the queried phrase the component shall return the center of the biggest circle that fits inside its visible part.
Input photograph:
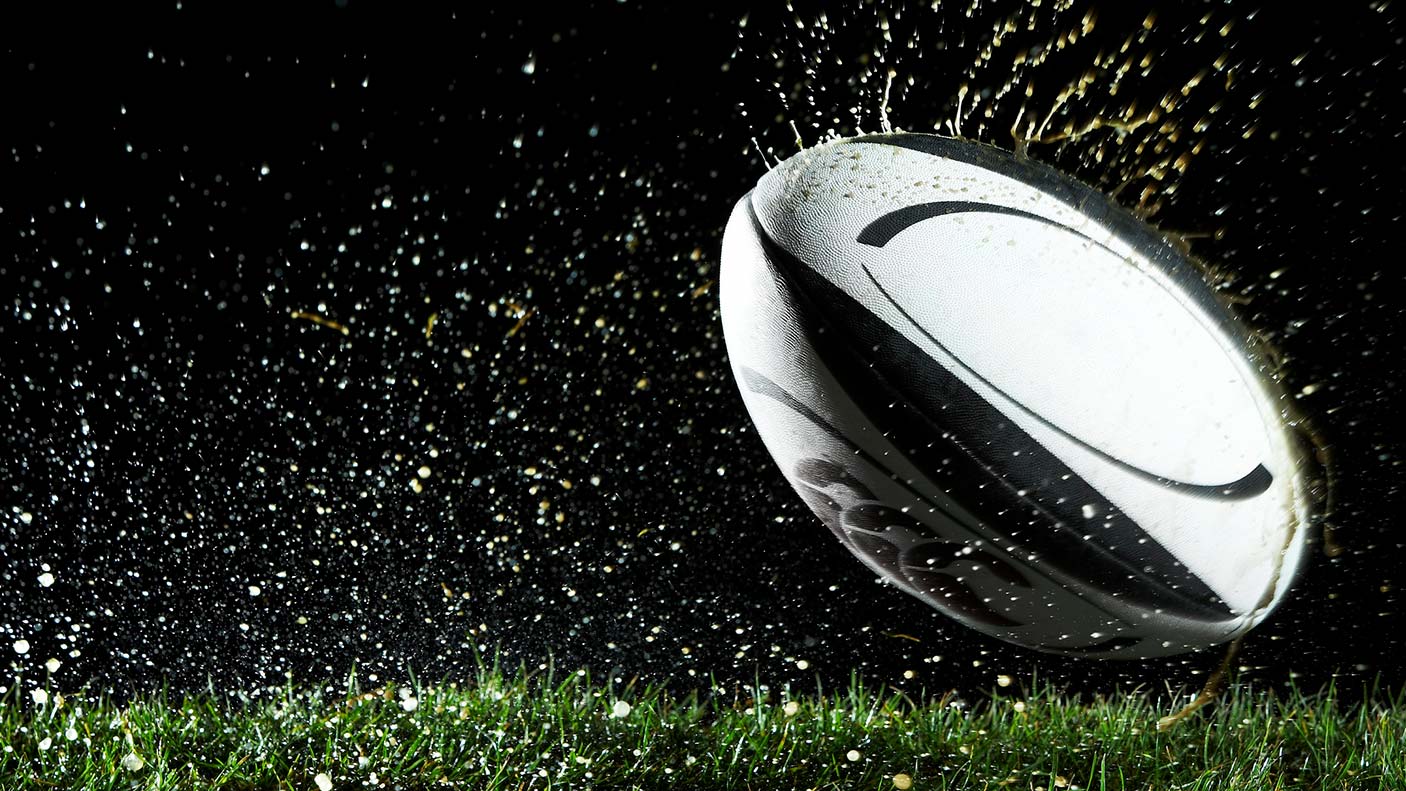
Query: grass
(535, 731)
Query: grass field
(536, 731)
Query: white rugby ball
(1011, 398)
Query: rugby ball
(1011, 398)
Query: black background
(222, 487)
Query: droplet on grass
(620, 710)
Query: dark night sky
(198, 479)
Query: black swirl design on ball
(819, 483)
(907, 552)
